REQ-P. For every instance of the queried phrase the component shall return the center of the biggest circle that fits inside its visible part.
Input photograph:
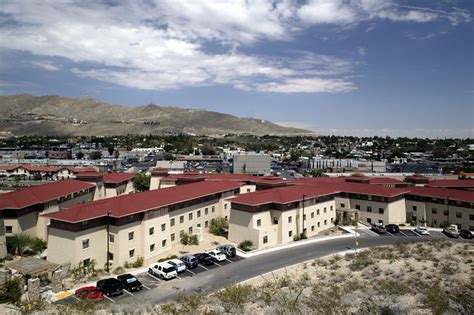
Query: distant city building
(60, 155)
(254, 164)
(350, 164)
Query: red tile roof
(89, 174)
(115, 178)
(451, 183)
(442, 193)
(42, 193)
(134, 203)
(384, 180)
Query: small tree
(193, 240)
(184, 239)
(218, 226)
(111, 149)
(10, 292)
(79, 155)
(141, 182)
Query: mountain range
(25, 114)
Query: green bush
(232, 298)
(119, 270)
(218, 226)
(245, 245)
(10, 292)
(193, 240)
(167, 258)
(23, 244)
(139, 262)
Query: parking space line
(178, 277)
(111, 300)
(149, 274)
(416, 233)
(217, 264)
(128, 292)
(190, 272)
(145, 287)
(203, 267)
(389, 233)
(229, 261)
(403, 233)
(370, 232)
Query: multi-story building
(22, 209)
(117, 184)
(3, 241)
(440, 206)
(253, 164)
(142, 224)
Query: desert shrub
(232, 298)
(119, 270)
(10, 292)
(449, 268)
(393, 287)
(127, 265)
(139, 262)
(463, 296)
(435, 298)
(361, 261)
(191, 304)
(169, 309)
(245, 245)
(324, 301)
(218, 226)
(167, 258)
(83, 270)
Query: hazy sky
(362, 67)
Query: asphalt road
(230, 273)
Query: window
(206, 224)
(84, 225)
(319, 224)
(131, 253)
(213, 209)
(163, 243)
(265, 239)
(199, 213)
(172, 222)
(332, 208)
(312, 215)
(130, 218)
(324, 209)
(111, 256)
(259, 222)
(433, 222)
(225, 206)
(173, 237)
(163, 227)
(275, 220)
(434, 210)
(446, 212)
(152, 247)
(190, 215)
(248, 190)
(369, 209)
(131, 235)
(181, 219)
(317, 211)
(111, 238)
(151, 231)
(471, 217)
(414, 208)
(380, 210)
(304, 217)
(325, 222)
(199, 225)
(312, 228)
(8, 229)
(358, 207)
(332, 220)
(190, 230)
(290, 233)
(86, 261)
(206, 211)
(369, 220)
(290, 219)
(225, 218)
(458, 215)
(343, 205)
(85, 244)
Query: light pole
(108, 239)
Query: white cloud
(361, 51)
(46, 65)
(161, 45)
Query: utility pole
(108, 240)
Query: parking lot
(403, 233)
(151, 282)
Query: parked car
(228, 250)
(378, 228)
(190, 261)
(179, 265)
(110, 286)
(466, 234)
(422, 230)
(89, 293)
(392, 228)
(163, 271)
(217, 254)
(451, 231)
(205, 259)
(130, 282)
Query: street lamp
(108, 239)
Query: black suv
(378, 228)
(228, 250)
(110, 286)
(205, 259)
(130, 282)
(392, 228)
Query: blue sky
(361, 67)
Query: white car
(163, 271)
(217, 254)
(179, 265)
(422, 230)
